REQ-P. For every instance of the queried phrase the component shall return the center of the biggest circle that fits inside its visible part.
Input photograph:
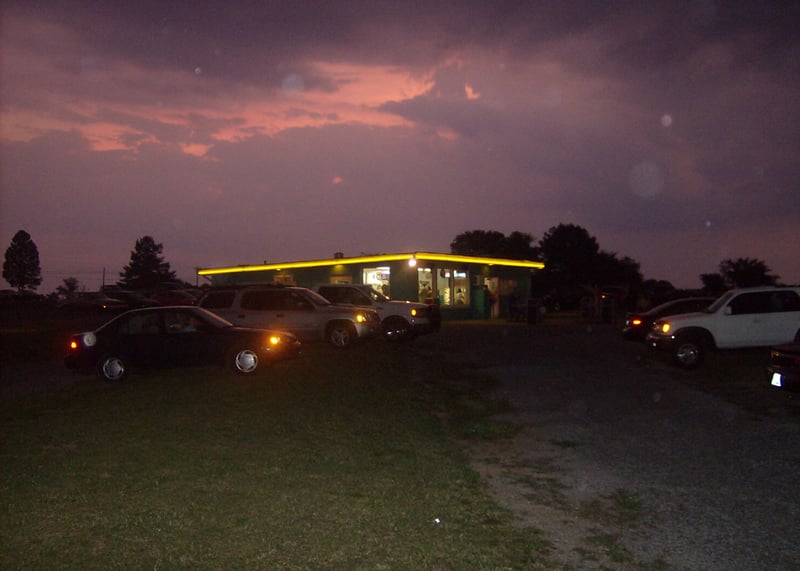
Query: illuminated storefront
(465, 287)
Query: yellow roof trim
(423, 256)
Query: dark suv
(297, 310)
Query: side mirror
(727, 310)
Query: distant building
(458, 284)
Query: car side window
(141, 324)
(180, 322)
(261, 300)
(293, 301)
(786, 300)
(746, 303)
(334, 294)
(219, 299)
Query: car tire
(113, 368)
(341, 334)
(396, 329)
(244, 362)
(688, 353)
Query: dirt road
(621, 462)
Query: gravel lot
(621, 462)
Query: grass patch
(611, 547)
(334, 461)
(471, 416)
(566, 444)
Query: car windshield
(211, 318)
(721, 301)
(377, 296)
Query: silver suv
(400, 320)
(297, 310)
(747, 317)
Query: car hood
(683, 316)
(404, 303)
(348, 310)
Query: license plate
(776, 380)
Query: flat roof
(410, 257)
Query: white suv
(747, 317)
(401, 320)
(297, 310)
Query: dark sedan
(784, 366)
(175, 337)
(638, 324)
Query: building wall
(404, 283)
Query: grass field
(338, 460)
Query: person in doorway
(512, 306)
(488, 301)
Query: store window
(378, 279)
(447, 286)
(425, 282)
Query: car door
(745, 321)
(783, 321)
(140, 338)
(299, 315)
(184, 341)
(259, 308)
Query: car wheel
(113, 368)
(245, 362)
(341, 334)
(689, 353)
(396, 330)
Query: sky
(242, 132)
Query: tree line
(146, 270)
(571, 255)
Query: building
(459, 284)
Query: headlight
(636, 322)
(274, 340)
(361, 318)
(665, 327)
(89, 339)
(413, 312)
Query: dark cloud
(668, 129)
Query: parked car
(400, 320)
(748, 317)
(784, 366)
(174, 337)
(131, 299)
(638, 324)
(298, 310)
(92, 302)
(173, 297)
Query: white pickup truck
(400, 320)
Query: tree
(21, 266)
(516, 246)
(68, 289)
(608, 270)
(713, 283)
(147, 267)
(570, 249)
(746, 272)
